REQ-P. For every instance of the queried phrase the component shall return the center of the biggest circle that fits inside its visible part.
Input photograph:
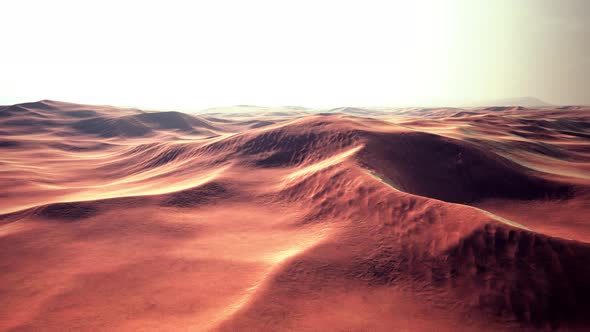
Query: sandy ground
(294, 220)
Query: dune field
(290, 219)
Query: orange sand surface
(294, 220)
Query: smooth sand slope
(292, 219)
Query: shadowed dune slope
(451, 170)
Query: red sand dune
(350, 219)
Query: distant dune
(250, 218)
(521, 101)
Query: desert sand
(289, 219)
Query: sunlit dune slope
(345, 219)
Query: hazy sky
(198, 54)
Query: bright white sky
(199, 54)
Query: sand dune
(290, 219)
